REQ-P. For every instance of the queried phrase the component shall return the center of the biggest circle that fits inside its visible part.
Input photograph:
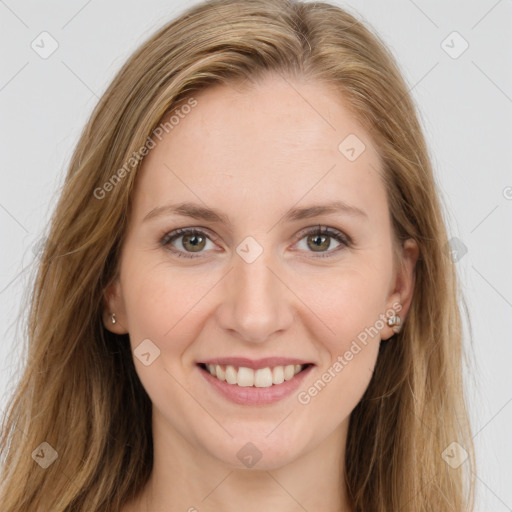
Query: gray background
(466, 109)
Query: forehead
(281, 115)
(275, 141)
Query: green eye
(193, 240)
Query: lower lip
(251, 395)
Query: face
(265, 281)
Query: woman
(244, 300)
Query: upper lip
(254, 363)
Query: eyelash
(340, 237)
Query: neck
(193, 481)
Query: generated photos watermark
(304, 397)
(137, 156)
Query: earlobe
(401, 298)
(113, 309)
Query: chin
(258, 451)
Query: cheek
(164, 304)
(347, 301)
(349, 304)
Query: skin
(254, 154)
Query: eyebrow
(199, 212)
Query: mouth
(256, 382)
(247, 377)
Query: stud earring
(395, 322)
(113, 316)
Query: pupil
(193, 240)
(323, 240)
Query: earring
(113, 316)
(395, 322)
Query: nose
(255, 300)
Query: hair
(79, 391)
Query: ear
(113, 304)
(403, 287)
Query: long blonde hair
(79, 391)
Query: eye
(194, 240)
(319, 239)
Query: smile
(247, 382)
(260, 378)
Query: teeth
(278, 375)
(219, 373)
(263, 378)
(231, 375)
(245, 377)
(289, 371)
(260, 378)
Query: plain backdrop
(457, 59)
